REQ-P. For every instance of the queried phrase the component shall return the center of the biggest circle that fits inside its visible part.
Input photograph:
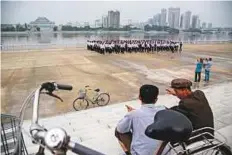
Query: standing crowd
(129, 46)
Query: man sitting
(193, 105)
(130, 131)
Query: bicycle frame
(208, 144)
(89, 98)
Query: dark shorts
(117, 134)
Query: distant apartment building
(69, 24)
(156, 20)
(174, 17)
(163, 17)
(151, 21)
(105, 21)
(203, 25)
(98, 23)
(43, 23)
(182, 21)
(198, 23)
(86, 23)
(194, 21)
(210, 25)
(77, 24)
(117, 19)
(113, 19)
(187, 18)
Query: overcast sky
(61, 12)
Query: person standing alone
(199, 65)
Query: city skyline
(17, 12)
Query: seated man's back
(130, 131)
(137, 121)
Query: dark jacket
(197, 109)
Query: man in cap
(136, 142)
(194, 105)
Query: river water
(24, 40)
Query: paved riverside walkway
(95, 127)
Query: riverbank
(98, 32)
(120, 75)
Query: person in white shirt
(130, 131)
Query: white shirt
(138, 120)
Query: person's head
(201, 60)
(210, 59)
(182, 87)
(148, 94)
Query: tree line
(18, 28)
(26, 27)
(88, 28)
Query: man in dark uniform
(193, 105)
(180, 49)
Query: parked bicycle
(87, 95)
(58, 142)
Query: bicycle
(58, 142)
(82, 101)
(179, 137)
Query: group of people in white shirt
(129, 46)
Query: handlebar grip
(64, 87)
(80, 149)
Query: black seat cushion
(170, 126)
(97, 90)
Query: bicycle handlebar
(64, 87)
(55, 139)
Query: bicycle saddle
(97, 90)
(170, 126)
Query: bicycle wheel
(103, 99)
(80, 104)
(220, 150)
(223, 150)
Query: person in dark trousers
(180, 49)
(208, 66)
(130, 131)
(199, 65)
(194, 105)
